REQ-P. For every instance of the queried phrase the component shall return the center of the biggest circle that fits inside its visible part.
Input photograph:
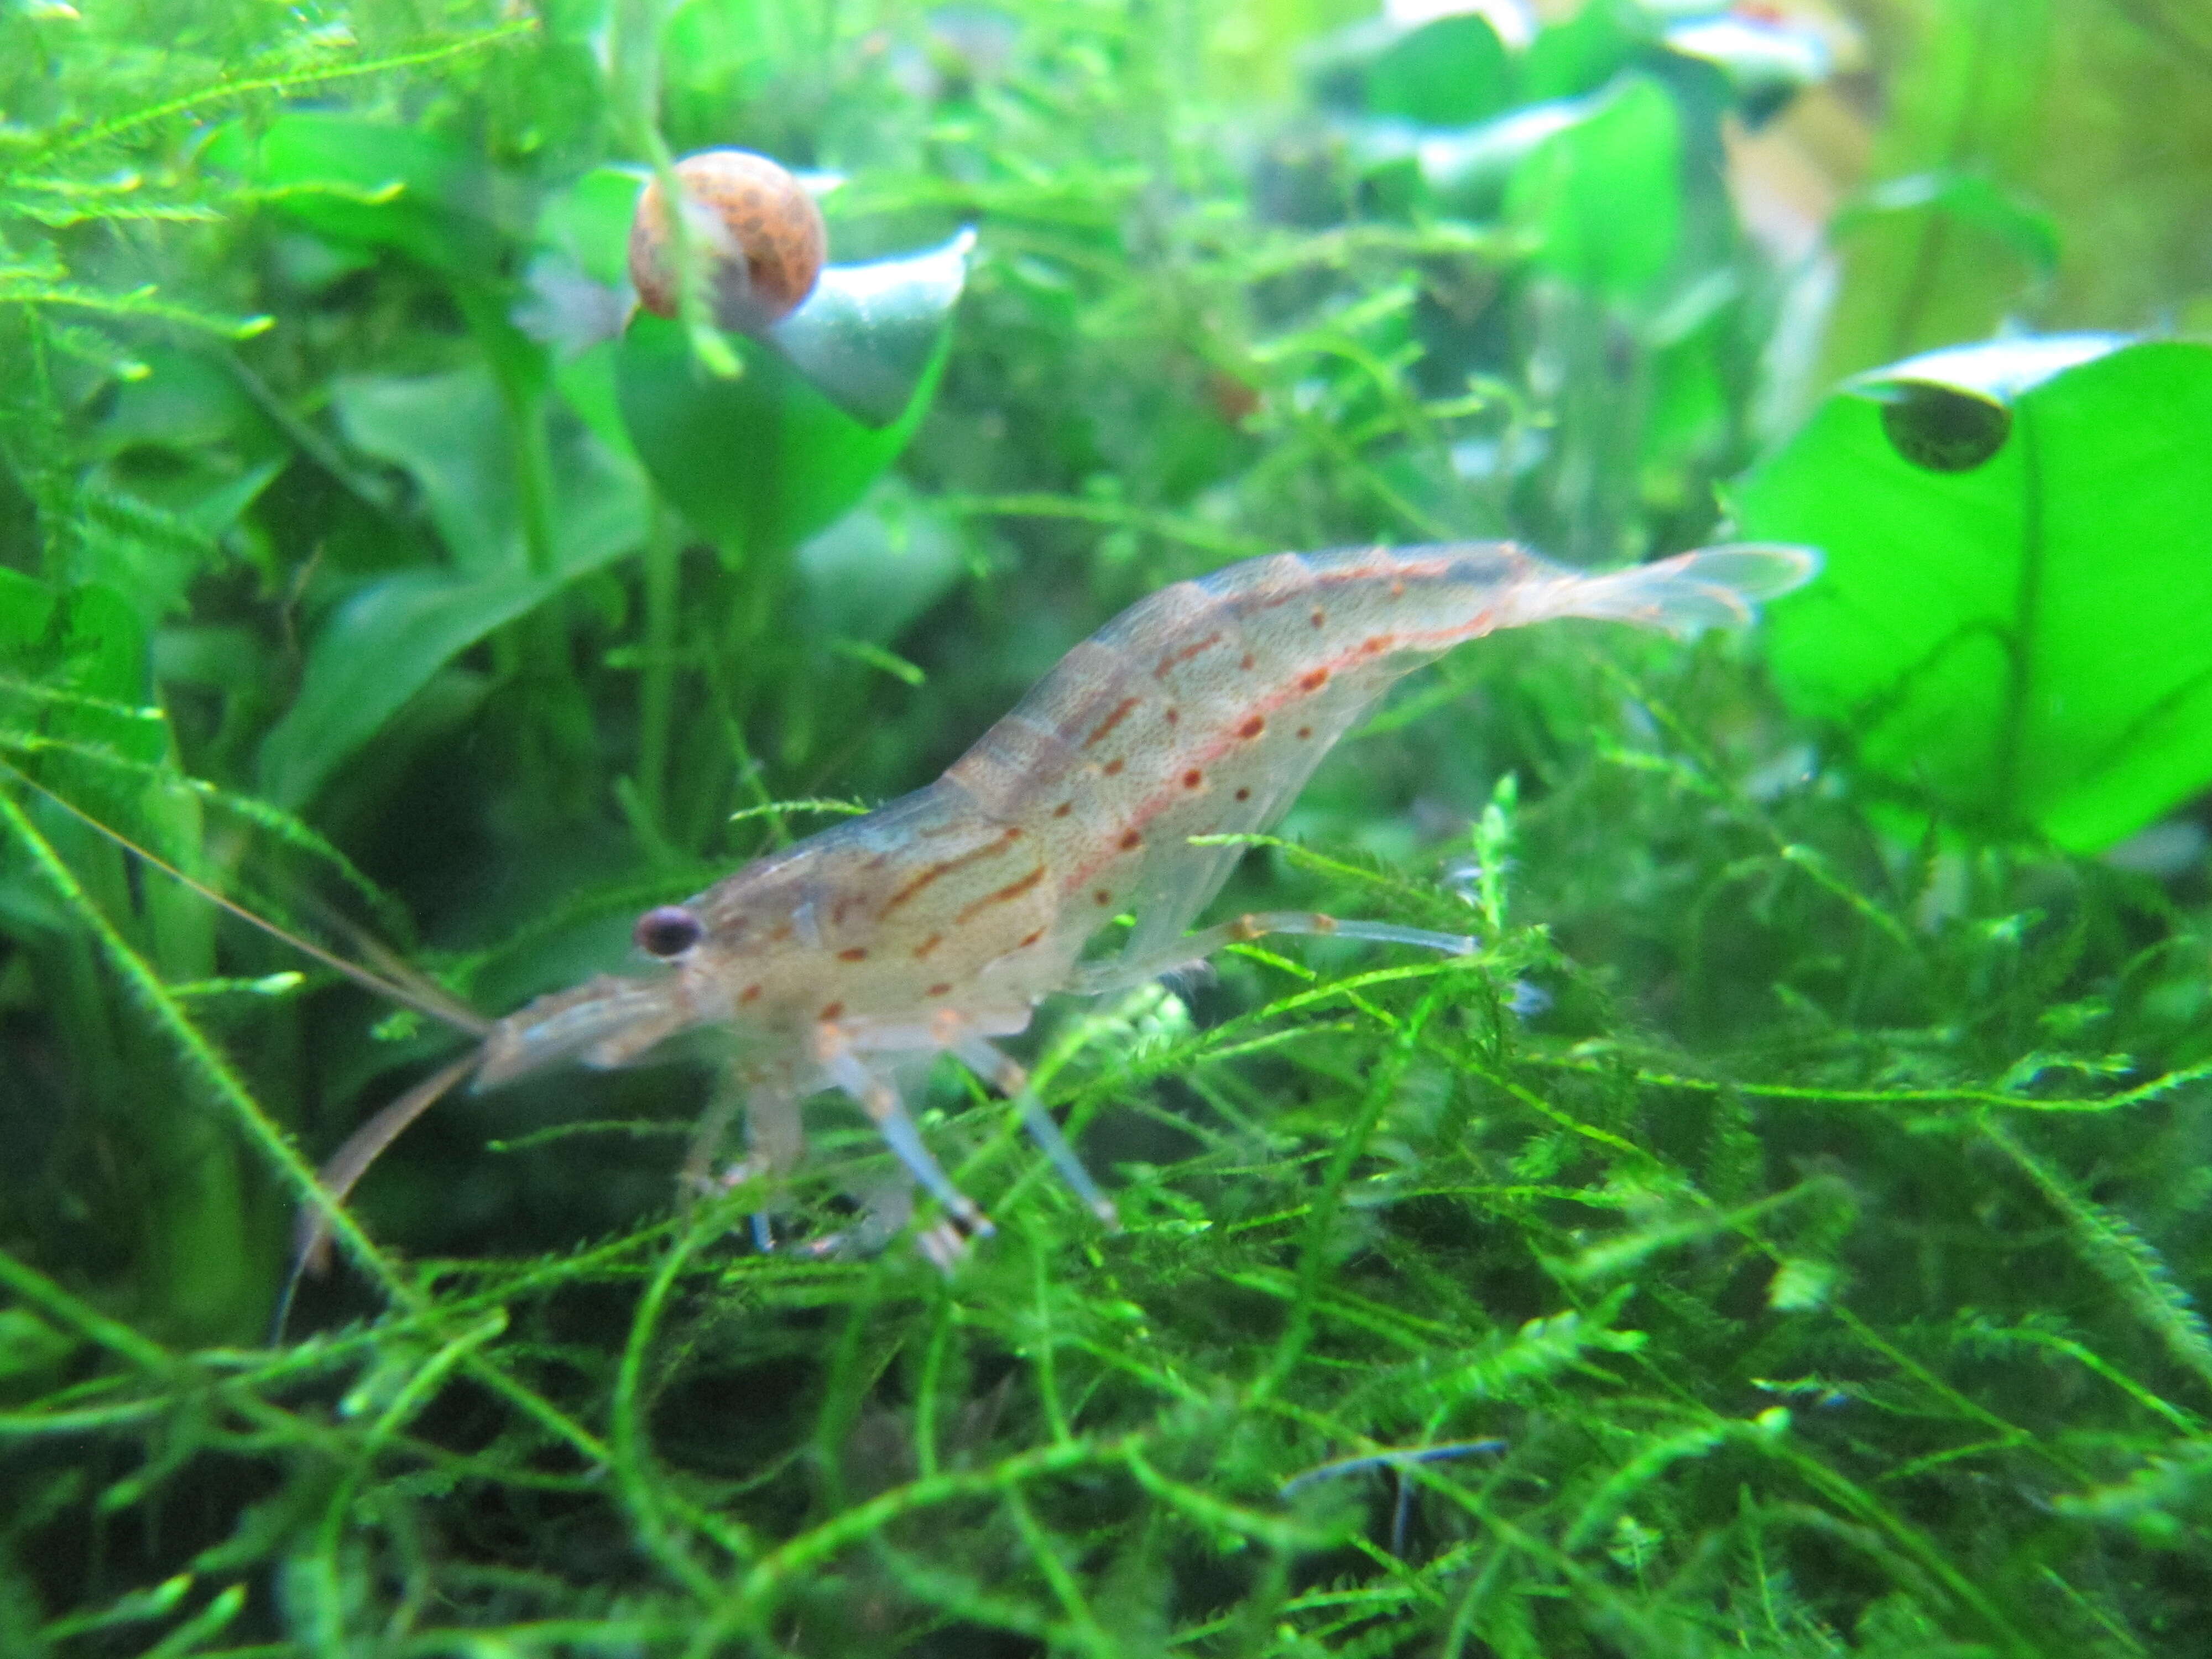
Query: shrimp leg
(1007, 1077)
(881, 1101)
(1122, 973)
(775, 1139)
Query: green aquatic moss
(1778, 1239)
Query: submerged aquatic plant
(1813, 1272)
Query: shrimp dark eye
(667, 931)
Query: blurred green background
(1780, 1238)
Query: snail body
(757, 229)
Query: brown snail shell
(754, 225)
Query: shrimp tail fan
(1713, 587)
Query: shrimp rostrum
(936, 923)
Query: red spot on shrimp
(750, 994)
(1306, 731)
(1131, 840)
(1104, 896)
(1374, 644)
(943, 987)
(944, 868)
(922, 950)
(1193, 779)
(855, 953)
(1113, 768)
(1319, 617)
(1314, 681)
(1170, 715)
(1247, 662)
(1030, 940)
(1120, 712)
(830, 1011)
(1243, 794)
(1063, 809)
(1253, 727)
(1175, 658)
(1010, 891)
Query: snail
(755, 227)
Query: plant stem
(2028, 619)
(663, 572)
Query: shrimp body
(937, 921)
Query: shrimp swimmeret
(936, 923)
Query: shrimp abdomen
(1203, 709)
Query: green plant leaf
(382, 646)
(876, 569)
(868, 335)
(2019, 537)
(767, 459)
(1580, 53)
(1441, 72)
(1765, 64)
(1602, 194)
(26, 606)
(387, 642)
(373, 183)
(181, 400)
(151, 537)
(588, 222)
(1450, 70)
(1972, 199)
(1468, 171)
(73, 674)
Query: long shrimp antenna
(425, 999)
(311, 1238)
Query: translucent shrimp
(936, 923)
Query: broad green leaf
(2011, 625)
(382, 646)
(1765, 64)
(588, 222)
(1443, 72)
(1467, 170)
(26, 606)
(769, 458)
(183, 401)
(150, 536)
(84, 648)
(877, 569)
(76, 661)
(452, 433)
(1579, 54)
(1603, 195)
(867, 335)
(103, 652)
(388, 641)
(1972, 200)
(373, 184)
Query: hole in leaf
(1942, 428)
